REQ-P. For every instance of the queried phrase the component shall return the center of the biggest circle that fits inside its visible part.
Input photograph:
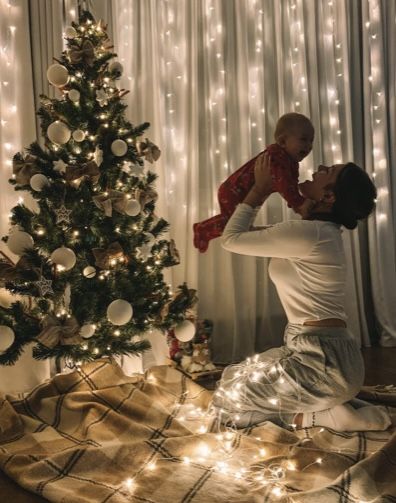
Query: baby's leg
(229, 196)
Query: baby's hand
(305, 209)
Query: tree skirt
(96, 435)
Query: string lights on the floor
(239, 455)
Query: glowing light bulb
(129, 483)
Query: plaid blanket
(96, 435)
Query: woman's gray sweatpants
(317, 368)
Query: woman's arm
(262, 187)
(286, 240)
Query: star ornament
(44, 286)
(133, 169)
(137, 170)
(102, 97)
(143, 252)
(62, 215)
(59, 166)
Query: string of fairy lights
(219, 449)
(10, 131)
(375, 99)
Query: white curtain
(213, 77)
(17, 129)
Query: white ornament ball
(116, 66)
(185, 331)
(58, 132)
(119, 312)
(119, 148)
(64, 257)
(58, 75)
(74, 95)
(89, 271)
(38, 182)
(132, 207)
(70, 32)
(87, 331)
(7, 337)
(19, 241)
(78, 135)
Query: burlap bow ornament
(63, 331)
(103, 256)
(145, 196)
(24, 168)
(184, 300)
(112, 199)
(8, 273)
(90, 169)
(84, 54)
(148, 150)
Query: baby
(294, 134)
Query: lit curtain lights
(17, 128)
(16, 104)
(156, 43)
(10, 134)
(215, 95)
(377, 124)
(212, 78)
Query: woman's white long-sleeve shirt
(307, 262)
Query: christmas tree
(89, 278)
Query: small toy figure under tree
(90, 254)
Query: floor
(380, 369)
(380, 365)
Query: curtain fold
(17, 129)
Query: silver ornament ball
(119, 148)
(74, 95)
(87, 331)
(7, 337)
(132, 207)
(58, 132)
(19, 241)
(89, 271)
(64, 257)
(58, 75)
(184, 331)
(78, 135)
(119, 312)
(38, 182)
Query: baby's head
(295, 133)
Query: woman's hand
(262, 187)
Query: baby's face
(298, 143)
